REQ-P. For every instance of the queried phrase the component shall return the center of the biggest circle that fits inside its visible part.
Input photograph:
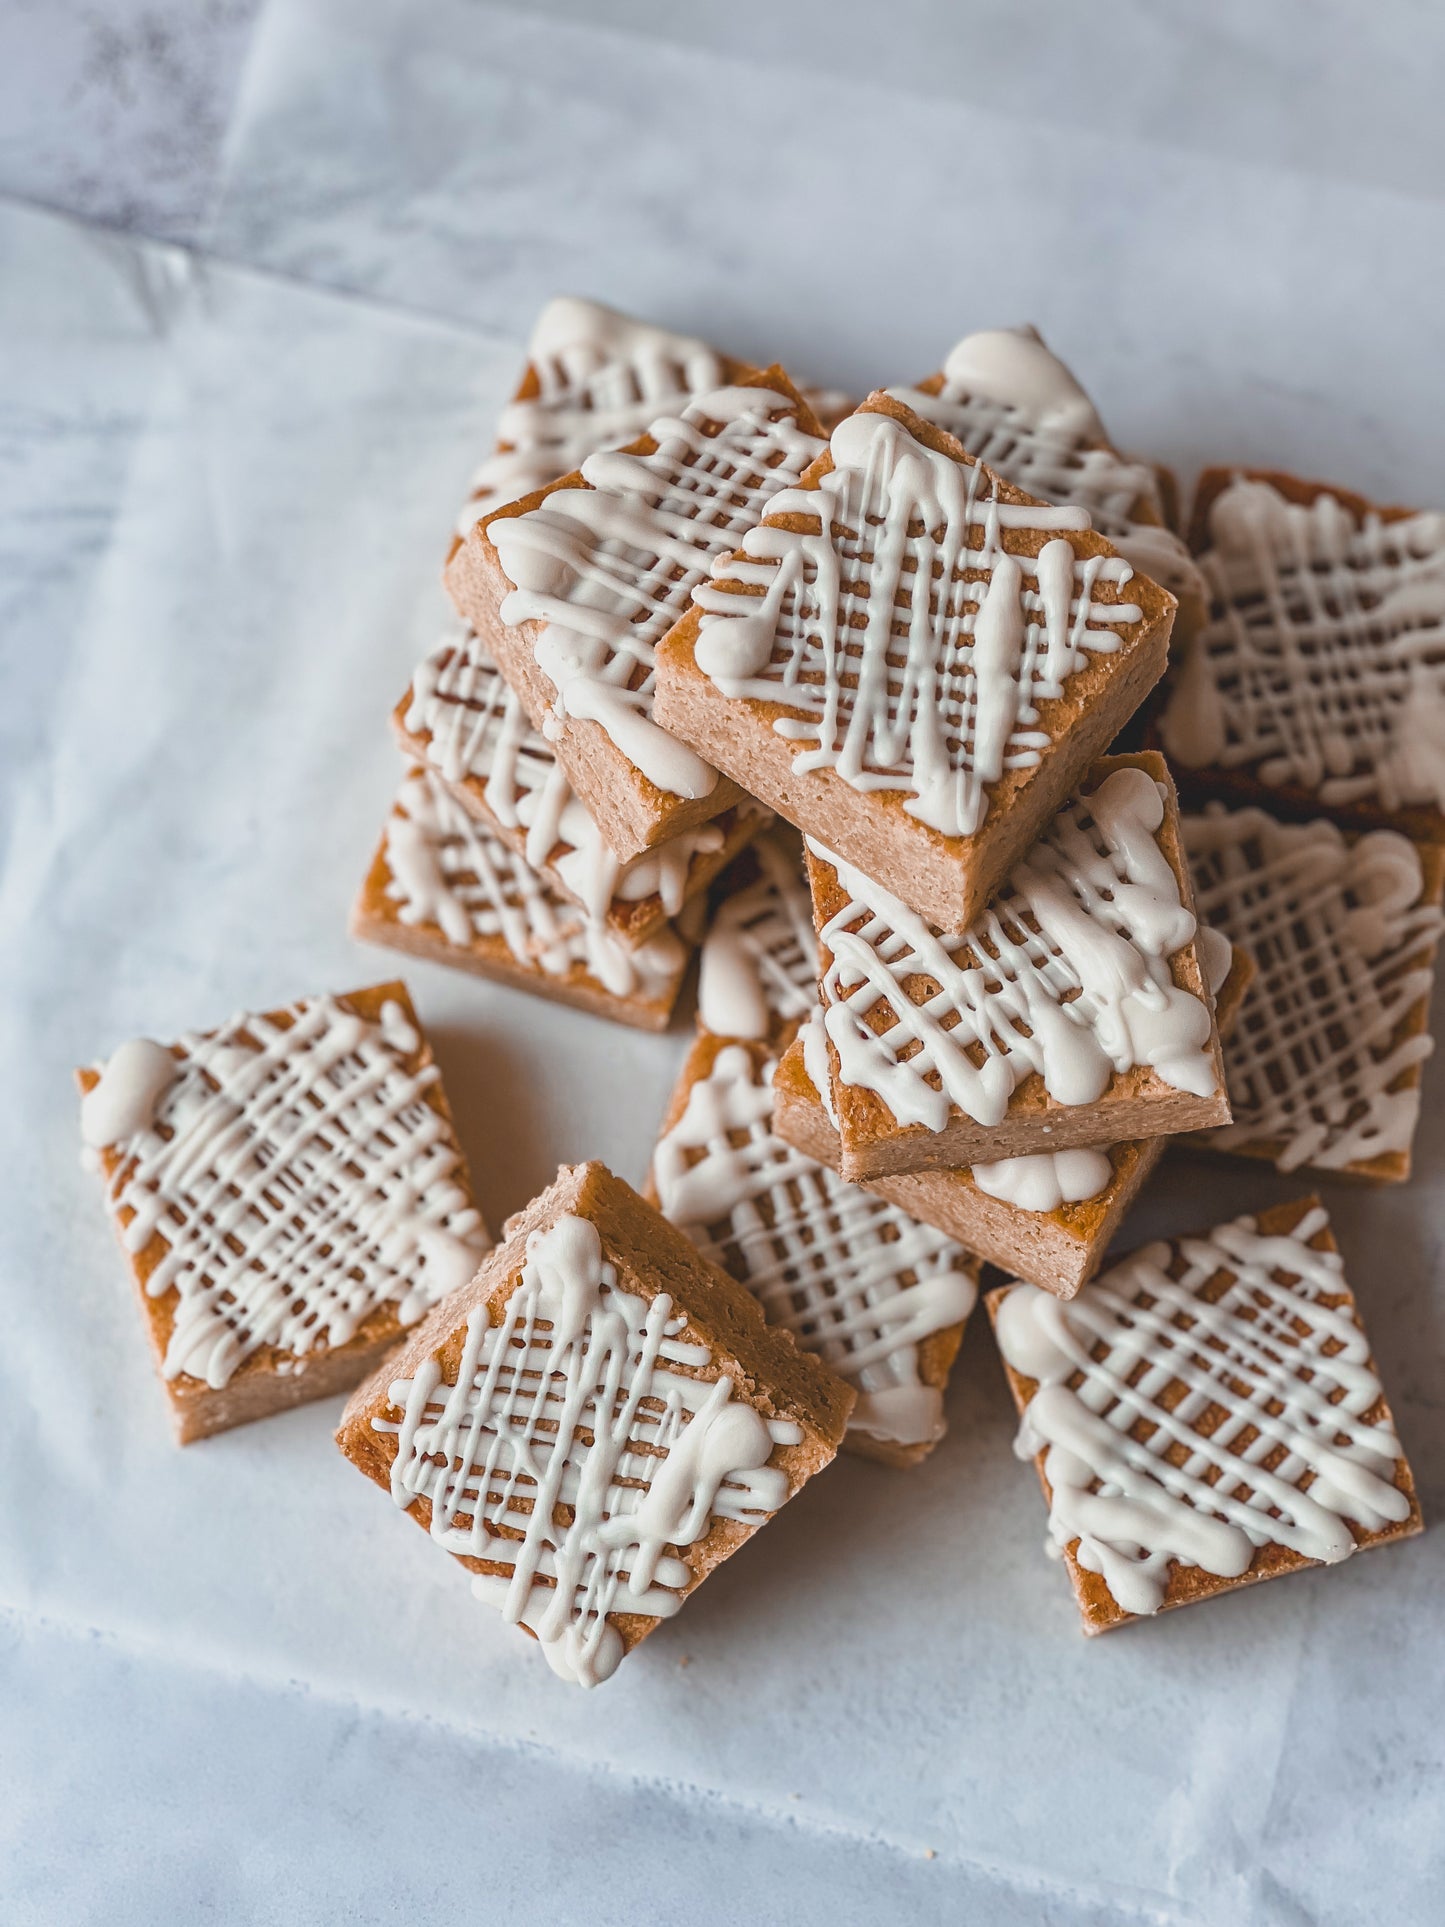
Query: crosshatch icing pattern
(577, 1452)
(850, 1276)
(295, 1175)
(474, 727)
(1016, 407)
(1336, 930)
(600, 378)
(1323, 663)
(445, 868)
(608, 569)
(937, 694)
(1131, 1373)
(1065, 974)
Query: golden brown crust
(1186, 1584)
(632, 812)
(1137, 1104)
(271, 1379)
(947, 879)
(767, 1370)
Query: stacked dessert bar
(921, 665)
(547, 833)
(848, 698)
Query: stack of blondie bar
(869, 704)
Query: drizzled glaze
(609, 569)
(1041, 1181)
(759, 962)
(943, 708)
(447, 869)
(575, 1399)
(474, 729)
(1323, 663)
(1238, 1351)
(852, 1277)
(1336, 931)
(295, 1174)
(602, 379)
(1074, 951)
(1015, 406)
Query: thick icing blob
(1335, 930)
(567, 1403)
(851, 1276)
(1046, 1180)
(135, 1079)
(1146, 1332)
(1323, 663)
(934, 695)
(449, 870)
(1067, 973)
(759, 964)
(296, 1177)
(609, 569)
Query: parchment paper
(228, 475)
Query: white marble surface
(225, 471)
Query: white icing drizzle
(1334, 929)
(477, 730)
(759, 963)
(1216, 956)
(296, 1176)
(1066, 973)
(123, 1102)
(1136, 1337)
(449, 870)
(937, 696)
(609, 569)
(1015, 406)
(1040, 1182)
(581, 1397)
(602, 379)
(852, 1277)
(1323, 662)
(813, 1038)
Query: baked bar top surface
(595, 1422)
(1325, 1066)
(1204, 1414)
(1320, 674)
(280, 1181)
(917, 624)
(1082, 977)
